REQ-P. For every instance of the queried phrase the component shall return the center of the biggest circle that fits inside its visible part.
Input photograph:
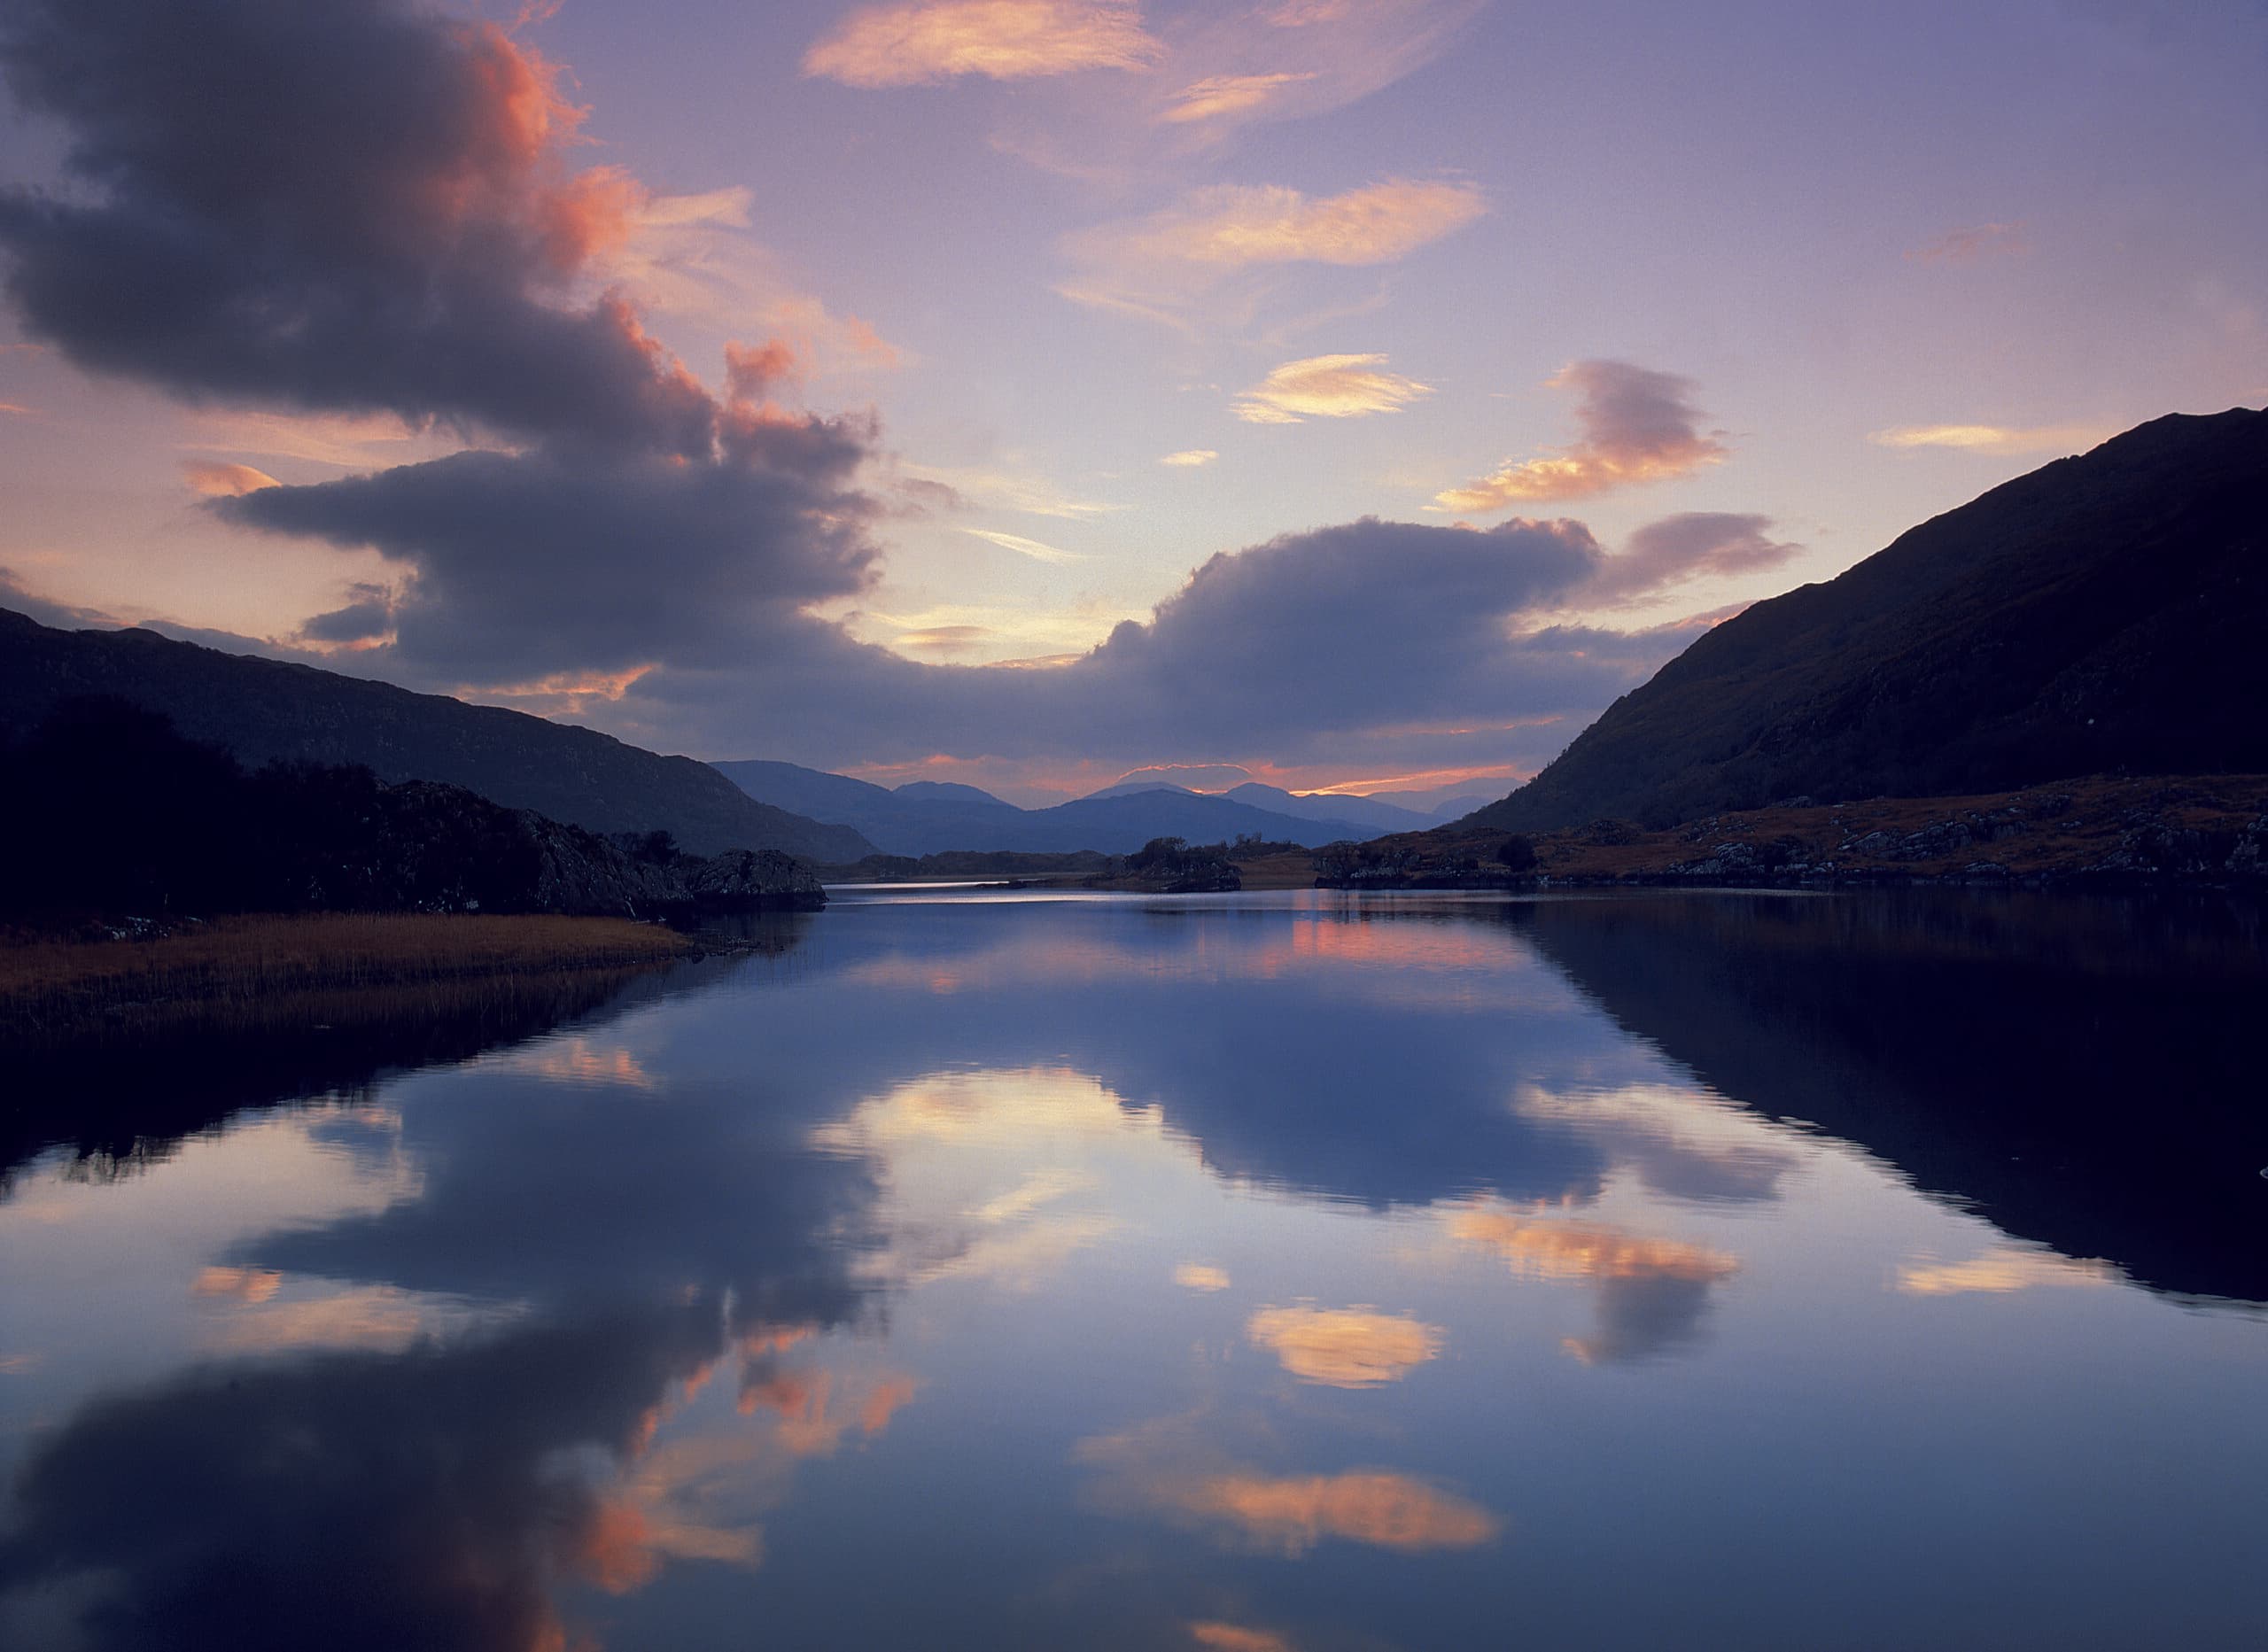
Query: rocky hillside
(2101, 614)
(265, 710)
(2103, 831)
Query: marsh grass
(247, 974)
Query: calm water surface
(1295, 1271)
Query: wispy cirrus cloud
(1173, 259)
(1229, 226)
(1190, 458)
(1996, 438)
(1971, 243)
(1009, 489)
(931, 41)
(1638, 425)
(1036, 549)
(1218, 95)
(1327, 387)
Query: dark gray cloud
(1365, 636)
(563, 561)
(356, 206)
(368, 616)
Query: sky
(1359, 393)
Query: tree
(1517, 853)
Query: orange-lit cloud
(1327, 387)
(1190, 458)
(813, 1415)
(2003, 1269)
(1200, 1276)
(614, 1550)
(1638, 425)
(1344, 1347)
(1227, 94)
(1167, 1467)
(1995, 438)
(1652, 1293)
(1237, 1638)
(246, 1284)
(1003, 40)
(1584, 1250)
(1230, 226)
(1970, 244)
(1383, 1509)
(210, 479)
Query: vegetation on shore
(248, 972)
(123, 816)
(2209, 829)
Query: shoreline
(248, 972)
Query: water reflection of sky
(1286, 1273)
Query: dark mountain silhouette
(265, 711)
(308, 837)
(2100, 615)
(928, 817)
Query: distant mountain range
(2104, 614)
(929, 816)
(263, 710)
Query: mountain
(2102, 614)
(928, 818)
(1367, 812)
(946, 791)
(265, 710)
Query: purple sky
(1364, 394)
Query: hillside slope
(2102, 614)
(263, 710)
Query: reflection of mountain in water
(131, 1104)
(2086, 1074)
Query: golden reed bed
(244, 973)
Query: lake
(972, 1269)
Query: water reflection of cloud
(1000, 1174)
(429, 1498)
(1237, 1637)
(579, 1060)
(1652, 1294)
(1681, 1143)
(1168, 1468)
(1344, 1347)
(1200, 1276)
(2002, 1268)
(357, 1317)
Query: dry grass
(241, 973)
